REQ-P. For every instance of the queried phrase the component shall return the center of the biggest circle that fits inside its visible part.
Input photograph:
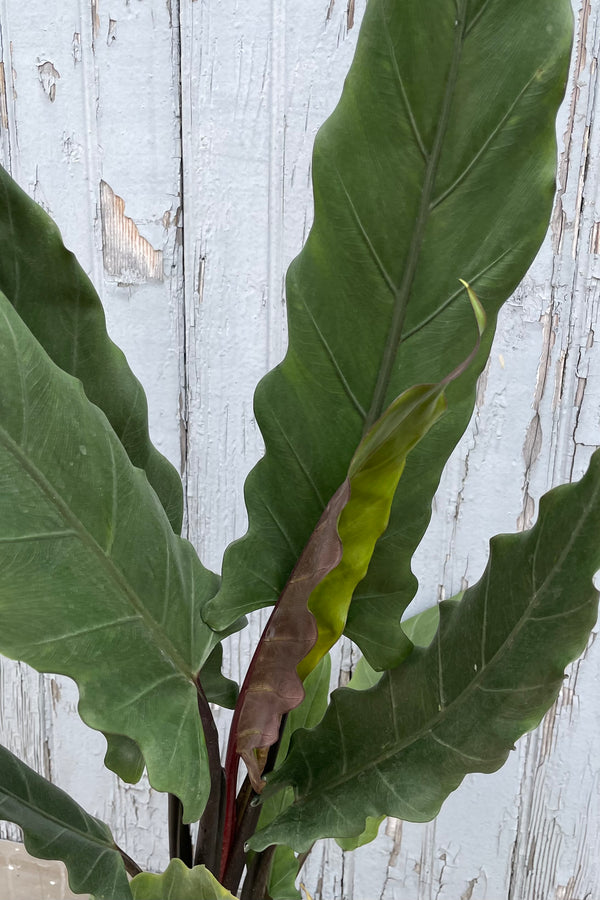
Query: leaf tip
(478, 309)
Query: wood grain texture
(200, 115)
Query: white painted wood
(107, 115)
(248, 85)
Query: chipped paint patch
(3, 100)
(48, 75)
(95, 18)
(76, 47)
(112, 32)
(128, 257)
(350, 14)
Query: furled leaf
(94, 584)
(495, 666)
(57, 301)
(373, 477)
(55, 827)
(437, 164)
(272, 686)
(179, 883)
(322, 583)
(307, 715)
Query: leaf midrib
(436, 720)
(403, 294)
(114, 574)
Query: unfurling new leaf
(494, 667)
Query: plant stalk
(247, 816)
(210, 828)
(131, 866)
(180, 839)
(256, 885)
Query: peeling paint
(112, 32)
(580, 186)
(48, 75)
(128, 257)
(350, 14)
(76, 47)
(466, 895)
(95, 17)
(3, 100)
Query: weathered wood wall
(171, 141)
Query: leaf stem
(180, 839)
(302, 857)
(131, 866)
(256, 885)
(247, 814)
(210, 829)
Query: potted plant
(433, 183)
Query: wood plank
(91, 99)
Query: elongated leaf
(437, 164)
(179, 883)
(331, 566)
(373, 477)
(94, 583)
(494, 668)
(55, 827)
(56, 299)
(272, 686)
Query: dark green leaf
(218, 689)
(56, 299)
(437, 164)
(494, 668)
(124, 757)
(55, 827)
(94, 583)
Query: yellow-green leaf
(178, 882)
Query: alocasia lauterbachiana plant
(433, 183)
